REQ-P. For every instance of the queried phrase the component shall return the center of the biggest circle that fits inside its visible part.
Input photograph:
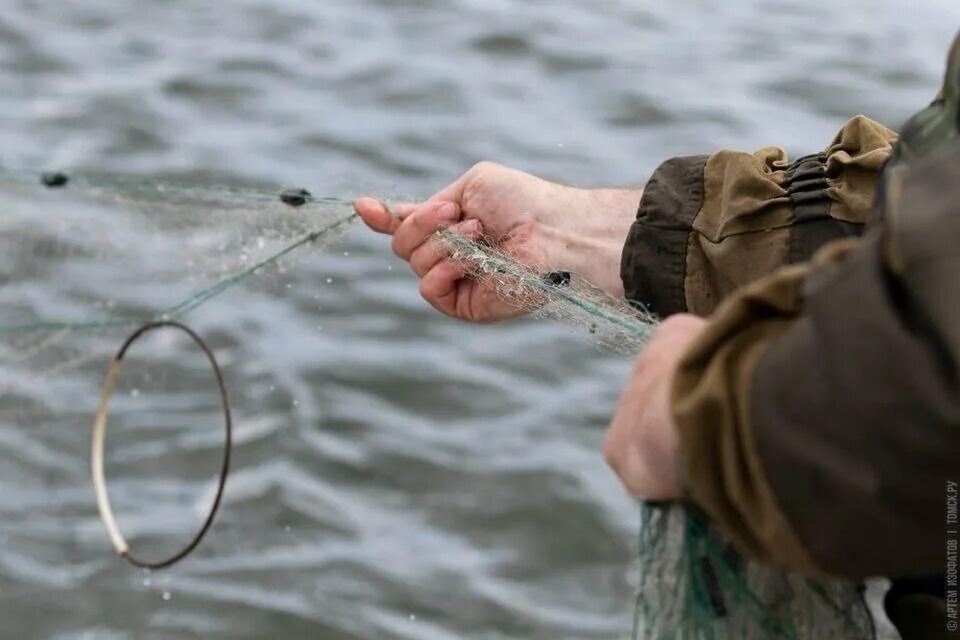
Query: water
(398, 475)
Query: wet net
(691, 584)
(87, 259)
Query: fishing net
(78, 278)
(85, 260)
(691, 585)
(694, 586)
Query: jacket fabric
(819, 412)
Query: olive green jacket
(819, 412)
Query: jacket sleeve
(708, 225)
(819, 413)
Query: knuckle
(397, 246)
(670, 323)
(416, 266)
(629, 477)
(484, 166)
(612, 452)
(636, 489)
(679, 322)
(468, 228)
(420, 263)
(426, 291)
(611, 457)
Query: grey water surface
(397, 474)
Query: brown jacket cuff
(653, 265)
(708, 225)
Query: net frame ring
(99, 436)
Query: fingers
(681, 324)
(670, 342)
(421, 224)
(439, 286)
(641, 444)
(376, 216)
(379, 217)
(433, 250)
(387, 219)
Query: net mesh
(563, 296)
(76, 277)
(691, 585)
(109, 254)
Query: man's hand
(542, 224)
(641, 445)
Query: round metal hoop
(99, 436)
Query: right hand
(542, 224)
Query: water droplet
(166, 595)
(134, 393)
(296, 402)
(273, 388)
(289, 286)
(329, 280)
(286, 529)
(389, 267)
(147, 581)
(346, 253)
(413, 617)
(319, 327)
(261, 243)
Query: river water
(397, 474)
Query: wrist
(589, 241)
